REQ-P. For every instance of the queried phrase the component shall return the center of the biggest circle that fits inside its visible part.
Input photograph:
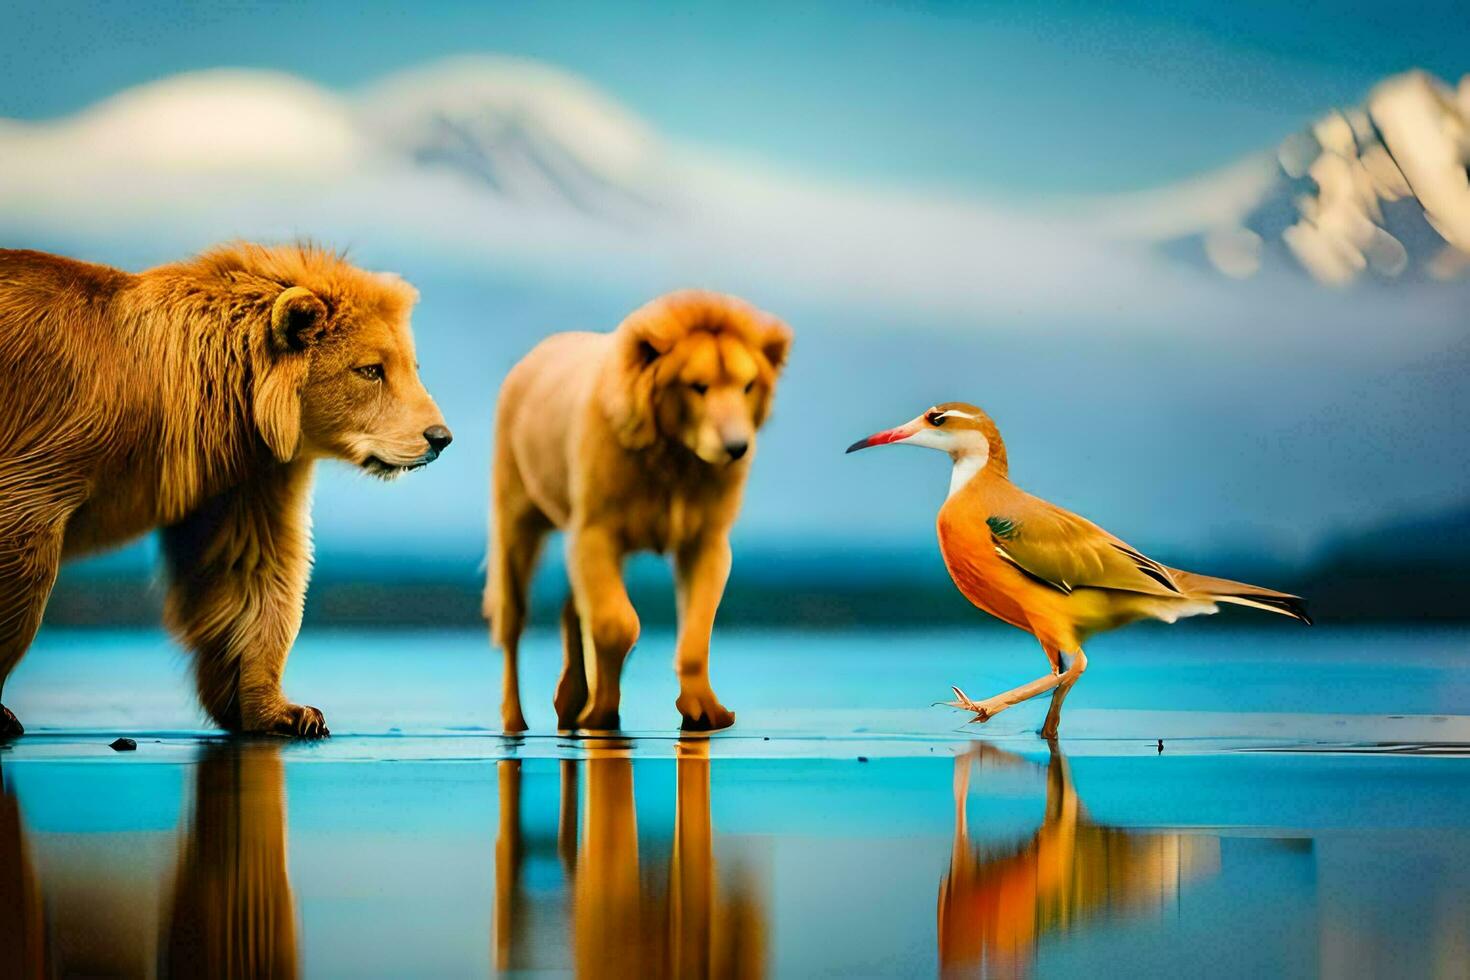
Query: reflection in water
(626, 918)
(996, 903)
(232, 913)
(90, 902)
(22, 923)
(100, 875)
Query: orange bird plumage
(1044, 569)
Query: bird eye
(373, 372)
(699, 387)
(935, 418)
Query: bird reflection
(22, 921)
(996, 902)
(232, 913)
(627, 917)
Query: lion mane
(172, 398)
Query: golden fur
(196, 397)
(635, 440)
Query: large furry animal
(196, 397)
(635, 440)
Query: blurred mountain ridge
(522, 130)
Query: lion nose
(437, 436)
(736, 449)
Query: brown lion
(635, 440)
(197, 397)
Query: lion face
(363, 402)
(699, 369)
(360, 399)
(714, 398)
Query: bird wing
(1066, 552)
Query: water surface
(1309, 814)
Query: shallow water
(1309, 814)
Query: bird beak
(890, 436)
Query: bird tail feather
(1241, 594)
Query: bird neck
(967, 466)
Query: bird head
(957, 428)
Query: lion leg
(29, 558)
(520, 530)
(238, 569)
(571, 688)
(692, 875)
(232, 912)
(701, 569)
(609, 897)
(609, 622)
(509, 924)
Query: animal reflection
(232, 914)
(996, 902)
(626, 918)
(22, 920)
(78, 903)
(91, 904)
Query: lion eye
(748, 386)
(699, 387)
(373, 372)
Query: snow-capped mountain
(1377, 191)
(507, 161)
(521, 130)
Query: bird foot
(964, 702)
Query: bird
(1046, 570)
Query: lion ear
(644, 342)
(644, 352)
(630, 393)
(776, 344)
(298, 319)
(277, 406)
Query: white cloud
(206, 123)
(512, 162)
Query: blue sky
(900, 181)
(1028, 97)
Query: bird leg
(1054, 713)
(990, 707)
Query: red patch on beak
(880, 439)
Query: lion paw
(703, 712)
(300, 721)
(593, 719)
(10, 726)
(570, 701)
